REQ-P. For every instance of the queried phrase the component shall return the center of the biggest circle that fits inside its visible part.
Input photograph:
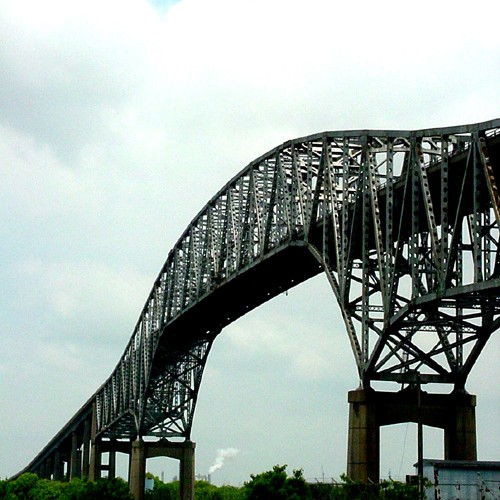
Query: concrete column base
(95, 452)
(186, 472)
(95, 461)
(86, 449)
(363, 445)
(142, 450)
(112, 465)
(58, 466)
(137, 477)
(74, 464)
(184, 452)
(370, 410)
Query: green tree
(355, 490)
(107, 489)
(29, 487)
(76, 489)
(203, 490)
(21, 488)
(227, 492)
(47, 490)
(3, 487)
(276, 485)
(394, 490)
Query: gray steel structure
(406, 226)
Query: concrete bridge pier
(95, 460)
(137, 474)
(86, 449)
(75, 464)
(369, 410)
(142, 450)
(48, 468)
(58, 466)
(112, 464)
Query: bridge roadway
(393, 217)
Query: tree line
(274, 484)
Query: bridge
(406, 227)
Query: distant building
(149, 484)
(461, 480)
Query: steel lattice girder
(405, 225)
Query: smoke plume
(221, 456)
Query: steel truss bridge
(406, 227)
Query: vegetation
(386, 490)
(29, 486)
(274, 484)
(203, 490)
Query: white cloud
(305, 349)
(83, 293)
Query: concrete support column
(137, 478)
(187, 471)
(363, 448)
(47, 468)
(74, 462)
(95, 452)
(86, 449)
(95, 461)
(130, 464)
(369, 410)
(58, 466)
(460, 434)
(112, 464)
(183, 451)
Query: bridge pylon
(182, 451)
(369, 410)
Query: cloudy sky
(120, 119)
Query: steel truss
(406, 227)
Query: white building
(461, 480)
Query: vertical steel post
(420, 440)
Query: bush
(22, 487)
(270, 485)
(107, 489)
(276, 485)
(76, 489)
(47, 490)
(354, 490)
(29, 486)
(394, 490)
(231, 493)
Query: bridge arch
(390, 216)
(406, 226)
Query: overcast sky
(120, 119)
